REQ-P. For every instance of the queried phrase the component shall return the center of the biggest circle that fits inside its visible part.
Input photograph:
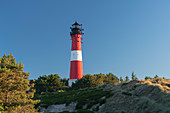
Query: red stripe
(76, 42)
(76, 70)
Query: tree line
(54, 82)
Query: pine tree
(48, 83)
(133, 76)
(121, 80)
(156, 76)
(111, 78)
(147, 77)
(13, 86)
(127, 78)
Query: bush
(124, 84)
(95, 80)
(84, 111)
(96, 109)
(136, 86)
(102, 101)
(82, 97)
(67, 112)
(127, 93)
(147, 77)
(48, 83)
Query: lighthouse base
(71, 81)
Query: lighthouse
(76, 66)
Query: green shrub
(96, 109)
(84, 111)
(124, 84)
(102, 101)
(102, 86)
(136, 86)
(67, 112)
(127, 93)
(89, 96)
(92, 104)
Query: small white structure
(71, 81)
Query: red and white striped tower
(76, 66)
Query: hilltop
(137, 96)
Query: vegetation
(147, 77)
(53, 82)
(121, 79)
(142, 96)
(13, 86)
(124, 84)
(89, 96)
(50, 83)
(127, 93)
(134, 76)
(156, 76)
(18, 95)
(95, 80)
(79, 111)
(127, 79)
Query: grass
(89, 96)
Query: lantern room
(76, 29)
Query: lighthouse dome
(76, 24)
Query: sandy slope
(139, 96)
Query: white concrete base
(71, 81)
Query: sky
(120, 36)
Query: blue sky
(121, 36)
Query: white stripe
(76, 55)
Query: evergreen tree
(156, 76)
(13, 86)
(127, 79)
(87, 81)
(133, 76)
(48, 83)
(111, 78)
(95, 80)
(64, 82)
(100, 79)
(121, 80)
(147, 77)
